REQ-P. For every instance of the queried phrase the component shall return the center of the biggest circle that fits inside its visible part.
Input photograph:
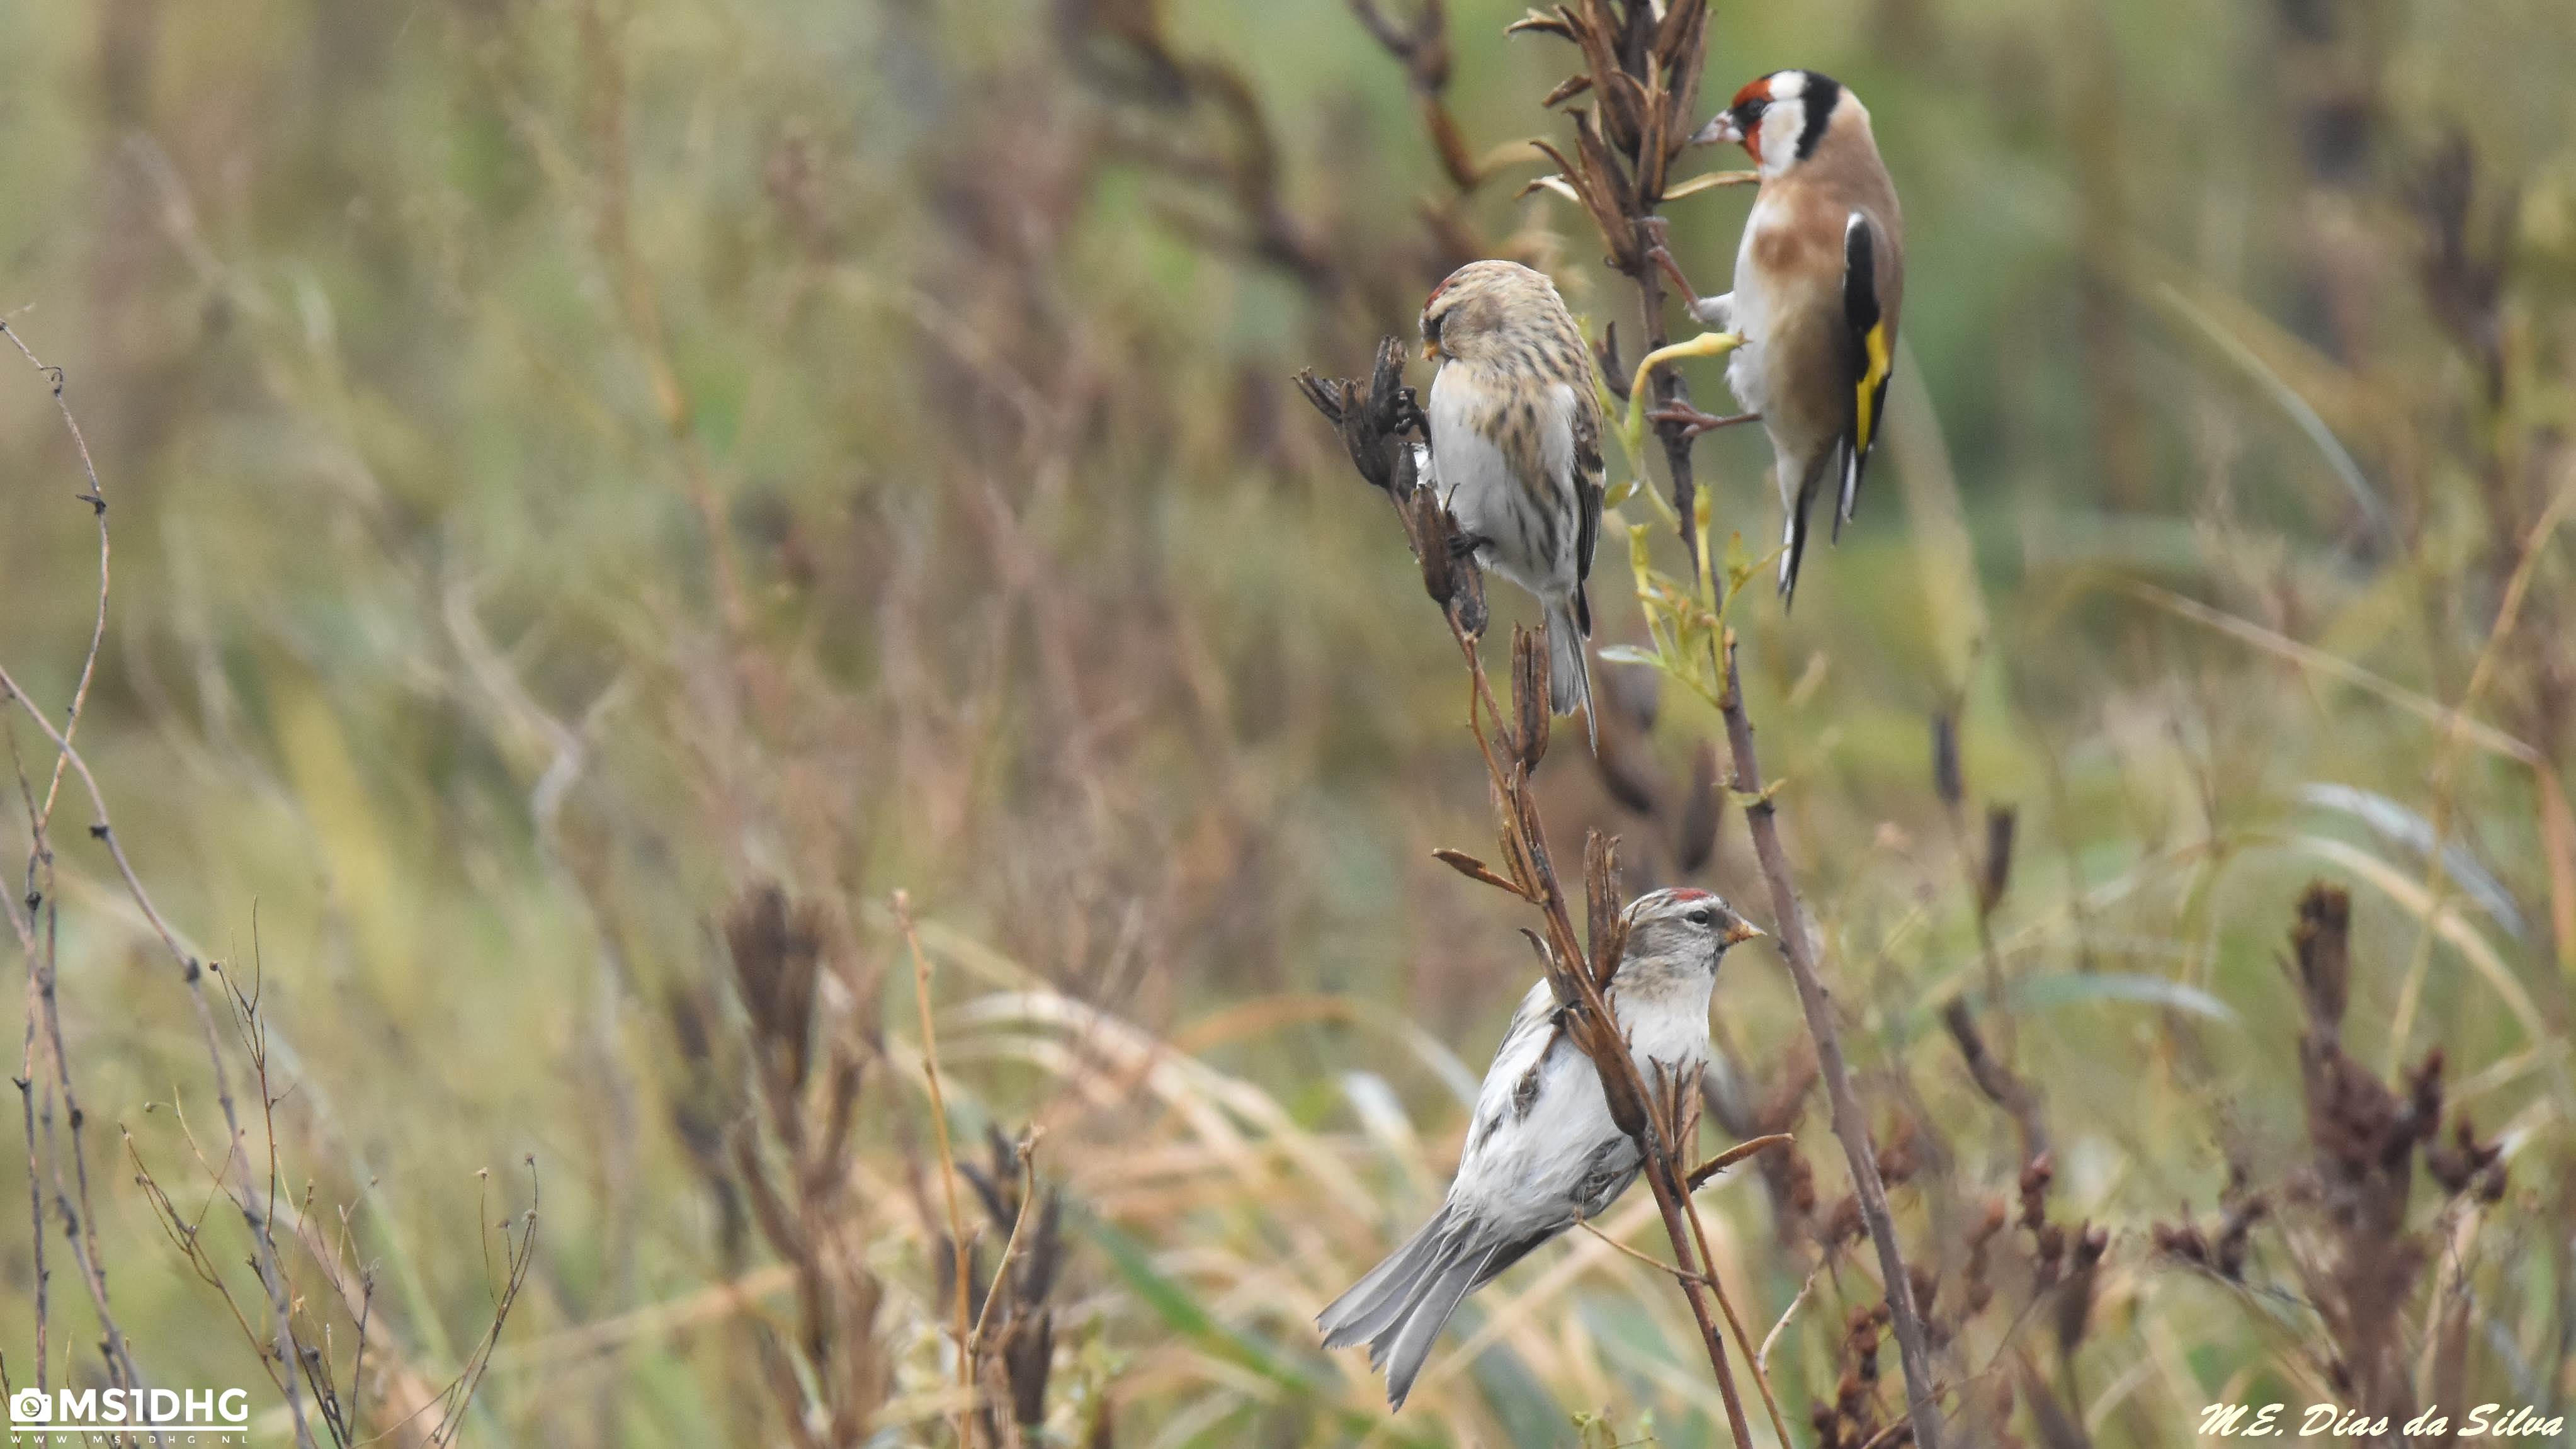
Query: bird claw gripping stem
(1632, 426)
(1693, 422)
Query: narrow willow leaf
(1710, 181)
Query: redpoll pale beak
(1742, 931)
(1430, 350)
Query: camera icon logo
(30, 1406)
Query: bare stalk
(1375, 425)
(1798, 947)
(1642, 72)
(1734, 1324)
(37, 936)
(192, 972)
(947, 1169)
(96, 498)
(1594, 1030)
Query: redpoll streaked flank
(1516, 448)
(1818, 281)
(1541, 1148)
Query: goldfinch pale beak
(1721, 130)
(1742, 931)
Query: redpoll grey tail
(1441, 1294)
(1569, 669)
(1404, 1302)
(1368, 1312)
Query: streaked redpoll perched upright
(1516, 448)
(1541, 1148)
(1819, 279)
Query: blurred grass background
(575, 462)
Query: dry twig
(1373, 424)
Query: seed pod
(1529, 698)
(1998, 863)
(1947, 780)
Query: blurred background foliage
(576, 463)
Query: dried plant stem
(1700, 1175)
(1672, 393)
(1644, 240)
(1373, 426)
(292, 1363)
(1762, 1356)
(1734, 1324)
(2446, 759)
(35, 1189)
(1028, 1154)
(947, 1166)
(1535, 879)
(1798, 948)
(1678, 1275)
(96, 498)
(256, 1210)
(38, 937)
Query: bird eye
(1703, 917)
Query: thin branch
(1762, 1356)
(38, 936)
(1700, 1175)
(1679, 1275)
(1995, 1079)
(1374, 426)
(192, 972)
(1798, 947)
(96, 498)
(1734, 1324)
(947, 1166)
(1010, 1245)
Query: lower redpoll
(1542, 1151)
(1516, 448)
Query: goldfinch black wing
(1872, 354)
(1586, 424)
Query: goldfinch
(1542, 1151)
(1516, 448)
(1818, 282)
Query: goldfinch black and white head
(1782, 118)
